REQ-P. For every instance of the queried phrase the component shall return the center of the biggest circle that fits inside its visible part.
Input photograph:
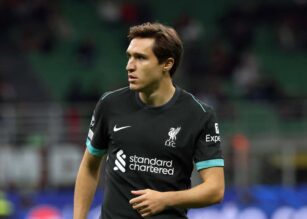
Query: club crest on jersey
(171, 141)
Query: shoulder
(110, 98)
(109, 95)
(196, 105)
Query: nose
(130, 67)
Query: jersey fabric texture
(151, 147)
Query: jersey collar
(162, 107)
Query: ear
(168, 64)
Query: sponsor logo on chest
(142, 164)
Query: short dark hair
(167, 42)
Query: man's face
(144, 71)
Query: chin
(134, 87)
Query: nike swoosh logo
(116, 129)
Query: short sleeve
(97, 138)
(208, 146)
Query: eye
(140, 57)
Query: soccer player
(151, 132)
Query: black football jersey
(151, 147)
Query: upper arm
(214, 177)
(98, 138)
(91, 161)
(208, 151)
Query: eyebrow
(136, 54)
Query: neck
(159, 95)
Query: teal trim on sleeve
(94, 151)
(210, 163)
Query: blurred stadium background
(246, 58)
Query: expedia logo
(213, 138)
(120, 162)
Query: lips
(132, 78)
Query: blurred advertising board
(258, 202)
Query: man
(151, 131)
